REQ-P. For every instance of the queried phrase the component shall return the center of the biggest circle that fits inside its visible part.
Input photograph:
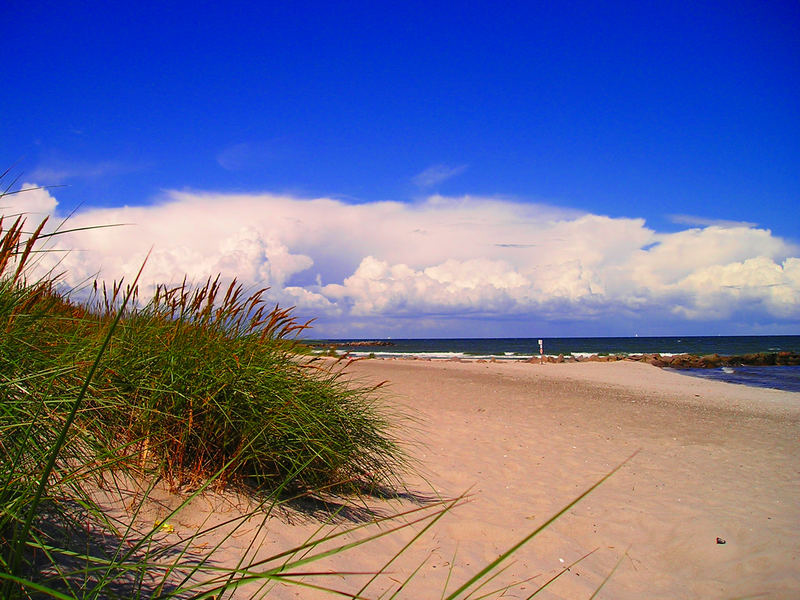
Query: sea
(778, 377)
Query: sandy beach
(713, 460)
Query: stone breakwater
(687, 361)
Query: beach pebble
(721, 541)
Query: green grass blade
(48, 469)
(25, 583)
(560, 573)
(611, 573)
(480, 574)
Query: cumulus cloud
(32, 200)
(472, 286)
(436, 174)
(758, 284)
(443, 257)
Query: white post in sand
(541, 353)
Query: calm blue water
(787, 378)
(782, 378)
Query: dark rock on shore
(709, 361)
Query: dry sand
(714, 460)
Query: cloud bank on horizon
(445, 266)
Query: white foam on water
(437, 355)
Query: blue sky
(585, 149)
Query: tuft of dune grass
(204, 376)
(196, 379)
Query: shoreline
(712, 460)
(674, 361)
(731, 370)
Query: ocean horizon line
(574, 337)
(583, 348)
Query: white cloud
(481, 257)
(57, 171)
(34, 202)
(756, 283)
(437, 174)
(697, 221)
(471, 286)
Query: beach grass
(207, 376)
(201, 384)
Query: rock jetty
(688, 361)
